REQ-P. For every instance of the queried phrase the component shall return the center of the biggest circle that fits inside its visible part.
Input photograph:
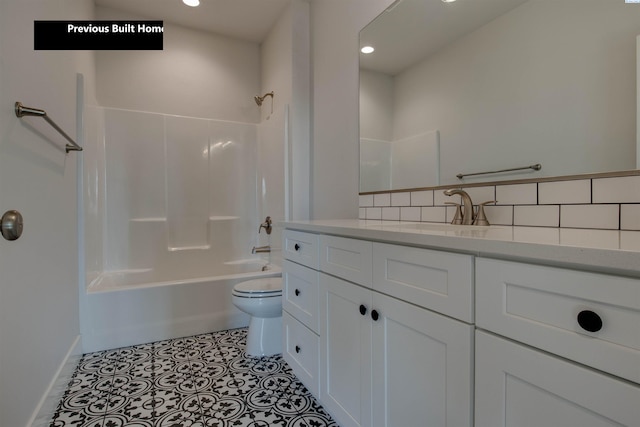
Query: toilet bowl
(262, 300)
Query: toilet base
(264, 337)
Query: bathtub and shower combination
(134, 307)
(171, 209)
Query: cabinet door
(518, 386)
(422, 367)
(345, 351)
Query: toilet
(262, 300)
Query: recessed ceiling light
(192, 3)
(448, 1)
(367, 49)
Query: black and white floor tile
(200, 381)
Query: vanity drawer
(439, 281)
(300, 291)
(300, 247)
(554, 309)
(301, 352)
(349, 259)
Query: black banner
(98, 35)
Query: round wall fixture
(11, 225)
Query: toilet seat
(259, 288)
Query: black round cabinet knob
(589, 321)
(296, 247)
(297, 292)
(298, 349)
(363, 309)
(375, 315)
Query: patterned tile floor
(200, 381)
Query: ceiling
(248, 20)
(410, 30)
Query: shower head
(260, 99)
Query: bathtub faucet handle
(266, 225)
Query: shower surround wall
(180, 194)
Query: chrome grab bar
(22, 111)
(535, 167)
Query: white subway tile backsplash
(630, 217)
(434, 214)
(592, 203)
(481, 194)
(400, 199)
(538, 216)
(590, 216)
(366, 200)
(564, 192)
(374, 213)
(439, 199)
(629, 241)
(450, 213)
(382, 199)
(410, 213)
(392, 214)
(517, 194)
(422, 198)
(625, 189)
(499, 215)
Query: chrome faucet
(467, 213)
(261, 249)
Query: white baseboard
(46, 408)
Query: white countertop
(611, 251)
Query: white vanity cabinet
(300, 322)
(404, 336)
(385, 361)
(548, 319)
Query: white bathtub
(132, 307)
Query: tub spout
(261, 249)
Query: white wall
(286, 69)
(376, 105)
(638, 102)
(276, 74)
(335, 25)
(375, 165)
(39, 282)
(549, 82)
(198, 74)
(283, 143)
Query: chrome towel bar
(22, 111)
(535, 167)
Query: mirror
(475, 86)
